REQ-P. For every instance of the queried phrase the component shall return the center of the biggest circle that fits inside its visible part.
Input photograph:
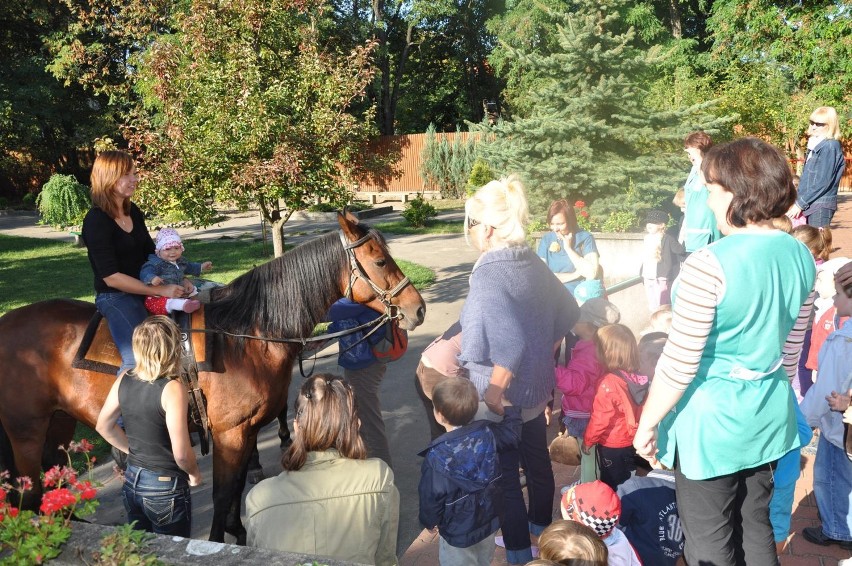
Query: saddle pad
(97, 351)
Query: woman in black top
(118, 244)
(161, 465)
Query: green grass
(448, 204)
(33, 269)
(432, 227)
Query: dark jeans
(124, 312)
(820, 218)
(518, 522)
(726, 519)
(806, 376)
(159, 503)
(616, 464)
(434, 377)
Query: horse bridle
(392, 312)
(357, 272)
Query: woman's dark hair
(326, 415)
(758, 176)
(562, 206)
(698, 140)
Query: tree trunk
(277, 229)
(397, 80)
(674, 16)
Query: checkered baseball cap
(593, 504)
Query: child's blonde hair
(569, 542)
(661, 319)
(783, 223)
(616, 348)
(156, 347)
(818, 240)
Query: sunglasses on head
(817, 124)
(471, 222)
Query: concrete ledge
(86, 538)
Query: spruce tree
(590, 132)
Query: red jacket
(615, 417)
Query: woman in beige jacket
(331, 500)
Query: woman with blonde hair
(161, 464)
(824, 165)
(118, 244)
(329, 487)
(515, 315)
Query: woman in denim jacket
(823, 169)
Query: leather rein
(392, 312)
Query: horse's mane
(287, 296)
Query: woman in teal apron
(720, 410)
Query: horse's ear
(347, 222)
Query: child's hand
(548, 412)
(586, 448)
(156, 281)
(838, 401)
(207, 266)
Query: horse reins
(392, 311)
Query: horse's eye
(381, 263)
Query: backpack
(392, 344)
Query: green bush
(622, 221)
(4, 202)
(480, 174)
(63, 201)
(29, 201)
(418, 212)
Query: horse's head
(374, 278)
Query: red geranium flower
(56, 500)
(86, 490)
(2, 495)
(579, 204)
(584, 214)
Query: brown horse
(284, 298)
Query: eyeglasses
(817, 124)
(471, 222)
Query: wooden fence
(405, 152)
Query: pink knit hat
(168, 238)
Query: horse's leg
(283, 429)
(59, 433)
(230, 456)
(28, 447)
(7, 456)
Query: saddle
(97, 352)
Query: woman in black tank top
(161, 462)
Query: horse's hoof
(256, 476)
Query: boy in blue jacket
(459, 482)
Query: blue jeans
(820, 218)
(124, 312)
(159, 503)
(518, 522)
(833, 490)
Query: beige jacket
(335, 507)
